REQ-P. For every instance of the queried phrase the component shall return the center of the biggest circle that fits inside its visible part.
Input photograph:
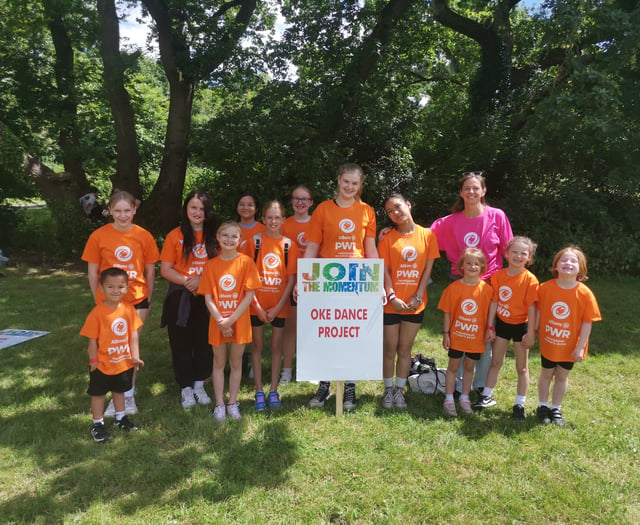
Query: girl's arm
(370, 250)
(273, 312)
(446, 338)
(150, 276)
(585, 332)
(190, 282)
(490, 333)
(415, 301)
(530, 337)
(312, 250)
(135, 350)
(94, 277)
(242, 307)
(93, 354)
(398, 304)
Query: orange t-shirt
(406, 255)
(340, 232)
(112, 327)
(131, 251)
(272, 270)
(562, 313)
(248, 233)
(297, 232)
(227, 282)
(514, 295)
(468, 307)
(172, 253)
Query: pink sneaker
(465, 405)
(450, 408)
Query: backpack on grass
(425, 377)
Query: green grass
(307, 466)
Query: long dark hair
(209, 227)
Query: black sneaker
(556, 417)
(484, 402)
(518, 412)
(321, 396)
(543, 414)
(99, 433)
(349, 402)
(125, 424)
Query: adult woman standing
(123, 244)
(184, 254)
(333, 221)
(474, 224)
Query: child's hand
(490, 334)
(446, 342)
(262, 315)
(578, 355)
(93, 366)
(528, 340)
(192, 283)
(137, 362)
(399, 305)
(227, 331)
(383, 232)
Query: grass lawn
(299, 465)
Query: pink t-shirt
(490, 232)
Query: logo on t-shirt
(560, 310)
(505, 293)
(471, 240)
(409, 253)
(199, 251)
(302, 241)
(227, 282)
(123, 253)
(119, 326)
(347, 225)
(469, 307)
(271, 260)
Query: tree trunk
(126, 176)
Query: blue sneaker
(261, 402)
(274, 400)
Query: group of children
(233, 279)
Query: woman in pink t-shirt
(474, 224)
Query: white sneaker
(111, 410)
(188, 398)
(200, 395)
(219, 413)
(130, 407)
(285, 377)
(233, 410)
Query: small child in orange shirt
(112, 329)
(566, 311)
(228, 284)
(465, 304)
(515, 292)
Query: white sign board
(339, 319)
(10, 337)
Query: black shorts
(511, 331)
(546, 363)
(457, 354)
(391, 319)
(278, 322)
(101, 383)
(142, 304)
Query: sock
(521, 400)
(464, 397)
(543, 404)
(287, 371)
(388, 382)
(198, 384)
(488, 392)
(98, 421)
(131, 392)
(401, 382)
(555, 406)
(120, 415)
(448, 397)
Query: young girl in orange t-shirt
(247, 208)
(228, 283)
(566, 311)
(276, 257)
(515, 292)
(465, 304)
(408, 251)
(296, 228)
(123, 244)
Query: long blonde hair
(351, 167)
